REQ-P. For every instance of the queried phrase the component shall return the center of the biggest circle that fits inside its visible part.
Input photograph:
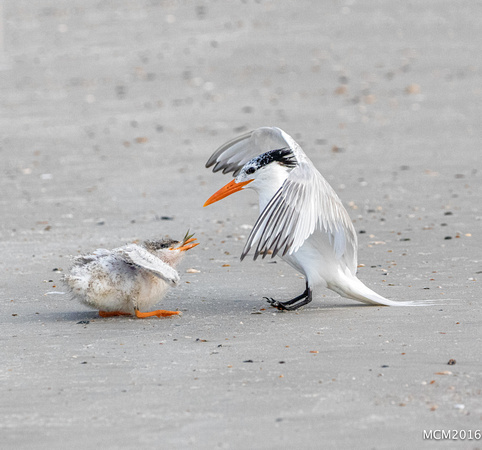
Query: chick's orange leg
(159, 313)
(112, 313)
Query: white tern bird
(301, 217)
(128, 279)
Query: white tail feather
(352, 287)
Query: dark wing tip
(212, 160)
(243, 255)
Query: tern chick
(128, 279)
(301, 217)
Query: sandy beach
(108, 114)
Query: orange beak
(185, 245)
(229, 189)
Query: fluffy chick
(128, 279)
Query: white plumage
(301, 217)
(128, 279)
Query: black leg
(294, 303)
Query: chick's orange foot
(159, 313)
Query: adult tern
(301, 217)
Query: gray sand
(108, 113)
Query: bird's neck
(267, 186)
(171, 257)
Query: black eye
(251, 170)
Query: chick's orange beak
(229, 189)
(186, 245)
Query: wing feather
(138, 256)
(305, 203)
(234, 154)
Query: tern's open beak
(229, 189)
(186, 243)
(187, 247)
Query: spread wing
(304, 204)
(233, 155)
(138, 256)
